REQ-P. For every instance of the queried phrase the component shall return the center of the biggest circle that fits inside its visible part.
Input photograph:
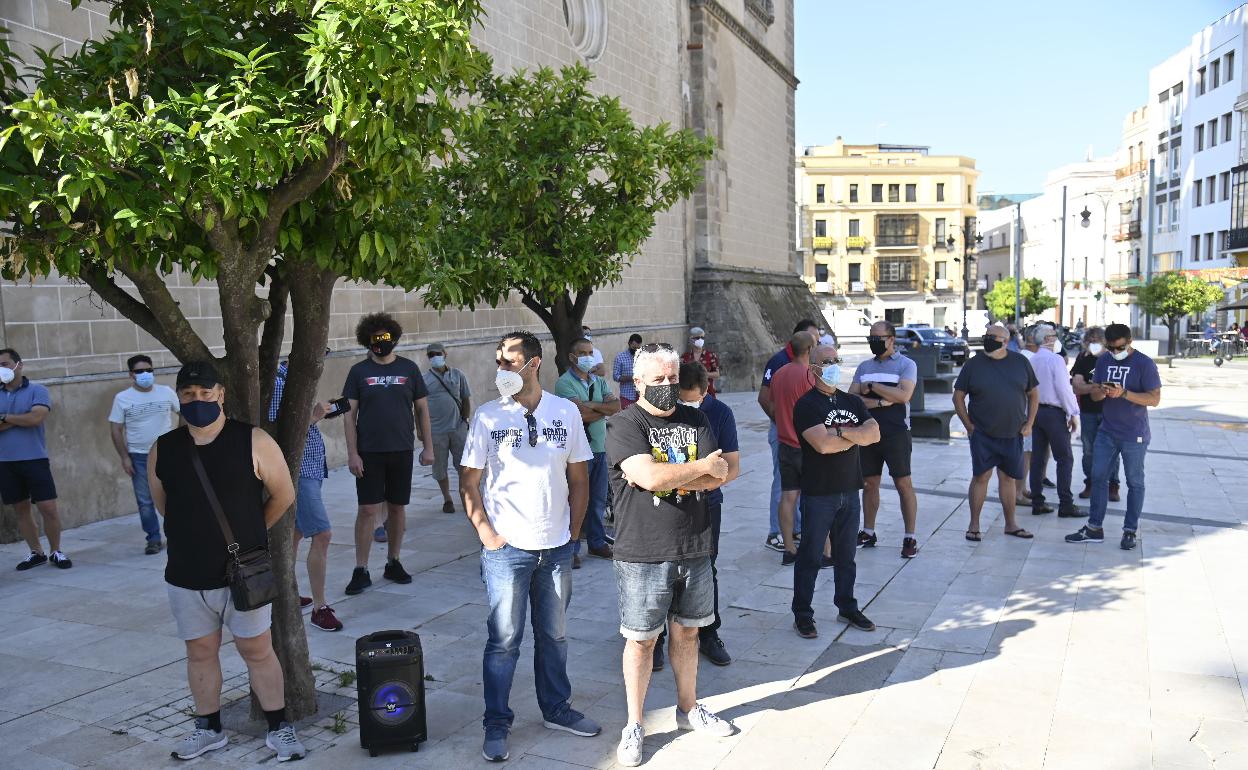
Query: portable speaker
(390, 684)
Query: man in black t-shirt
(387, 394)
(1089, 410)
(1004, 400)
(662, 459)
(830, 425)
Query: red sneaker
(325, 619)
(304, 601)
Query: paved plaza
(999, 654)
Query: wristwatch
(4, 418)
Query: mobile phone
(341, 407)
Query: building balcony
(942, 284)
(896, 241)
(1128, 282)
(1127, 231)
(1132, 169)
(856, 242)
(823, 242)
(903, 285)
(1237, 240)
(857, 287)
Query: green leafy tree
(1035, 298)
(1173, 296)
(550, 192)
(261, 143)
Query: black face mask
(383, 348)
(878, 345)
(662, 397)
(992, 344)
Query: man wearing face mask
(1126, 382)
(831, 424)
(697, 352)
(600, 366)
(886, 382)
(241, 464)
(1056, 420)
(25, 474)
(450, 406)
(622, 372)
(1090, 409)
(663, 458)
(531, 451)
(141, 414)
(1004, 400)
(388, 397)
(593, 397)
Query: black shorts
(26, 480)
(892, 450)
(1005, 454)
(790, 468)
(387, 478)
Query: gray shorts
(650, 594)
(448, 444)
(203, 613)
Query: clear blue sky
(1021, 86)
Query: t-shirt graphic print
(673, 444)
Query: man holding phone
(1126, 382)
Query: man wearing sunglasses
(1126, 383)
(531, 450)
(142, 413)
(388, 396)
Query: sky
(1021, 86)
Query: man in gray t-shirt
(449, 410)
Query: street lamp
(966, 261)
(1086, 222)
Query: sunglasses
(140, 371)
(1117, 348)
(655, 347)
(877, 338)
(532, 423)
(828, 362)
(381, 337)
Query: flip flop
(973, 535)
(1020, 532)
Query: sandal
(1020, 532)
(973, 535)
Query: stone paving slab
(999, 654)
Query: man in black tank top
(242, 463)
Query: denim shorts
(650, 594)
(310, 515)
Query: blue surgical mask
(831, 375)
(144, 379)
(585, 363)
(437, 362)
(200, 413)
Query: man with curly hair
(388, 396)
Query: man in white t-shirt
(600, 365)
(141, 414)
(534, 456)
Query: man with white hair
(697, 352)
(662, 457)
(1056, 420)
(1001, 386)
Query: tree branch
(101, 282)
(181, 339)
(298, 187)
(541, 310)
(582, 302)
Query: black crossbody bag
(253, 584)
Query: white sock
(912, 537)
(869, 531)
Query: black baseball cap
(201, 373)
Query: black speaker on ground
(390, 683)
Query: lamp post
(967, 247)
(1085, 222)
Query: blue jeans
(837, 515)
(1105, 454)
(774, 440)
(515, 580)
(143, 496)
(1089, 426)
(593, 529)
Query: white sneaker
(631, 740)
(284, 741)
(704, 720)
(199, 741)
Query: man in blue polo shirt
(775, 364)
(24, 471)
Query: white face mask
(699, 342)
(1056, 346)
(694, 404)
(509, 383)
(1095, 348)
(1121, 355)
(6, 375)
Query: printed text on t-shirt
(386, 381)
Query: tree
(1173, 295)
(1035, 298)
(260, 143)
(550, 192)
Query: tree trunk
(1173, 325)
(564, 319)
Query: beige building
(723, 260)
(884, 230)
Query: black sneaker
(1048, 484)
(805, 629)
(359, 581)
(394, 571)
(657, 664)
(857, 620)
(153, 547)
(826, 562)
(1128, 541)
(774, 542)
(865, 540)
(60, 560)
(1040, 507)
(34, 560)
(788, 559)
(1069, 511)
(1087, 535)
(713, 648)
